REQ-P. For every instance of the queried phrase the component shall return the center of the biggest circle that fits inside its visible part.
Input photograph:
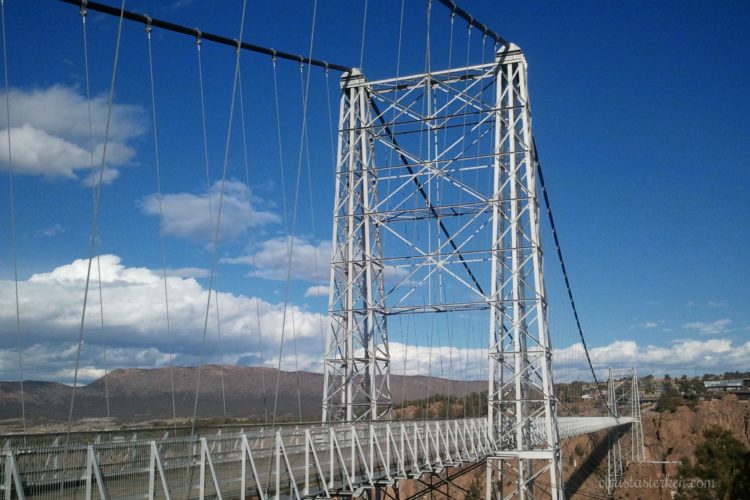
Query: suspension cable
(184, 30)
(208, 190)
(162, 247)
(455, 9)
(221, 359)
(405, 338)
(95, 222)
(257, 301)
(11, 197)
(564, 269)
(84, 13)
(215, 239)
(294, 215)
(364, 30)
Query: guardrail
(303, 461)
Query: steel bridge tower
(521, 403)
(357, 360)
(436, 183)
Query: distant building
(735, 384)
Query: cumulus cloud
(192, 216)
(317, 291)
(716, 355)
(108, 175)
(439, 361)
(135, 333)
(270, 261)
(135, 321)
(189, 272)
(49, 132)
(712, 328)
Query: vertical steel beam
(357, 359)
(638, 450)
(522, 418)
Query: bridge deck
(312, 460)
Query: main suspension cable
(564, 269)
(223, 40)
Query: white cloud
(50, 133)
(189, 272)
(438, 361)
(135, 321)
(713, 328)
(317, 291)
(191, 216)
(50, 231)
(717, 355)
(309, 261)
(108, 175)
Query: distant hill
(138, 395)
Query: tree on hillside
(670, 398)
(690, 386)
(647, 383)
(721, 468)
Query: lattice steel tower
(436, 212)
(522, 411)
(357, 361)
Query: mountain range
(140, 395)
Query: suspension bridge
(438, 209)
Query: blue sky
(639, 113)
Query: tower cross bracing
(436, 212)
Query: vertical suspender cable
(362, 45)
(162, 247)
(460, 193)
(313, 224)
(247, 184)
(93, 193)
(215, 240)
(294, 212)
(95, 222)
(11, 196)
(221, 360)
(564, 270)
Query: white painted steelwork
(315, 460)
(450, 204)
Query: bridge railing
(265, 463)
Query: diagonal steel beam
(423, 194)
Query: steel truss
(436, 211)
(623, 397)
(304, 461)
(528, 461)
